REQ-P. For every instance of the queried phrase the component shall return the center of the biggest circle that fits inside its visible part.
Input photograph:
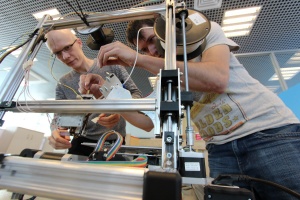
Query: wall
(291, 98)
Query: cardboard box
(25, 138)
(144, 142)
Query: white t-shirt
(245, 108)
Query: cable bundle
(140, 161)
(116, 146)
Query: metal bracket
(7, 104)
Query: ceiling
(277, 29)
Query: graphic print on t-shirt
(217, 114)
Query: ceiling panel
(277, 28)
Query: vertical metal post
(170, 45)
(189, 129)
(278, 71)
(169, 152)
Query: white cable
(25, 90)
(137, 52)
(27, 65)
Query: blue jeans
(272, 155)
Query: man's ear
(79, 42)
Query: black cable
(291, 192)
(2, 51)
(228, 179)
(81, 17)
(13, 49)
(17, 47)
(31, 198)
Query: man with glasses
(65, 46)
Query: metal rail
(71, 180)
(85, 106)
(100, 18)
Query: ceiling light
(296, 54)
(244, 11)
(236, 27)
(239, 22)
(237, 33)
(54, 13)
(295, 59)
(290, 69)
(293, 62)
(287, 73)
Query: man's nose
(152, 50)
(65, 55)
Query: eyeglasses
(65, 49)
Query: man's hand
(60, 139)
(116, 53)
(91, 83)
(108, 121)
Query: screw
(169, 139)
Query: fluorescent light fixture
(239, 22)
(238, 12)
(296, 54)
(287, 73)
(295, 59)
(236, 27)
(290, 69)
(293, 62)
(54, 13)
(236, 33)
